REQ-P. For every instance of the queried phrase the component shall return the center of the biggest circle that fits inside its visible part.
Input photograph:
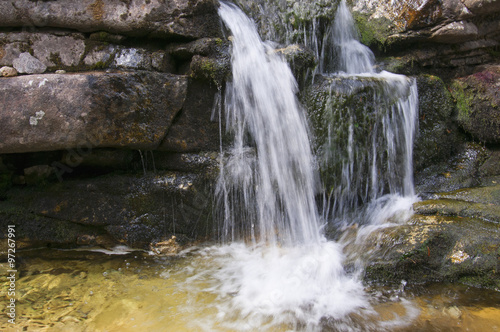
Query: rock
(478, 101)
(8, 71)
(176, 19)
(60, 71)
(133, 58)
(132, 209)
(28, 64)
(438, 137)
(347, 116)
(299, 58)
(38, 174)
(455, 32)
(480, 203)
(433, 249)
(82, 111)
(55, 50)
(196, 127)
(482, 7)
(169, 247)
(459, 171)
(203, 47)
(215, 70)
(491, 166)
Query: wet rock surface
(433, 249)
(131, 209)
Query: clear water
(92, 291)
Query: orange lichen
(97, 9)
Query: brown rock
(8, 71)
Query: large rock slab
(154, 18)
(134, 209)
(88, 110)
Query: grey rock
(455, 32)
(478, 101)
(8, 71)
(131, 209)
(28, 64)
(56, 50)
(133, 58)
(157, 18)
(57, 112)
(100, 56)
(38, 174)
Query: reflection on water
(92, 291)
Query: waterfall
(366, 156)
(275, 269)
(267, 184)
(349, 55)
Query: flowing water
(367, 156)
(275, 270)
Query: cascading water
(366, 153)
(282, 273)
(268, 183)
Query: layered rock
(109, 95)
(471, 27)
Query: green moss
(373, 32)
(463, 100)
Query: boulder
(153, 18)
(478, 101)
(452, 238)
(88, 110)
(483, 7)
(461, 170)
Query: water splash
(287, 274)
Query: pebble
(60, 71)
(8, 71)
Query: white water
(279, 271)
(377, 175)
(268, 178)
(349, 55)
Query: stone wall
(107, 133)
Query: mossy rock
(478, 101)
(432, 249)
(438, 137)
